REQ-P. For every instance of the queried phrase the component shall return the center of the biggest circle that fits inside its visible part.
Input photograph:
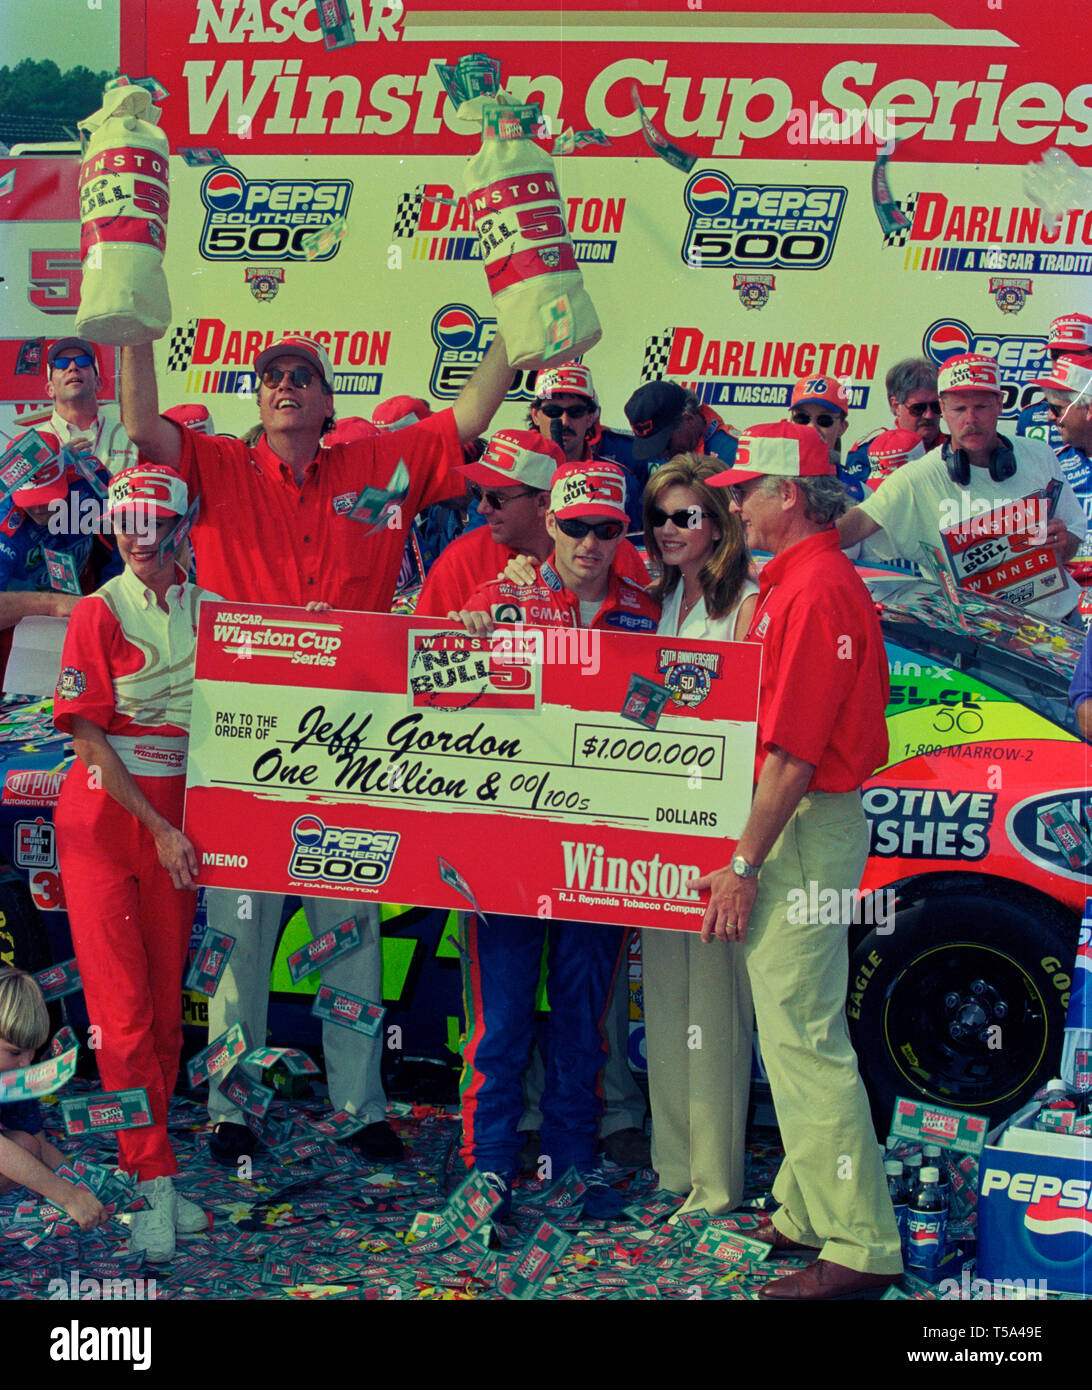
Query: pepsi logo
(709, 195)
(947, 339)
(308, 830)
(223, 190)
(1047, 1217)
(455, 328)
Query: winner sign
(582, 775)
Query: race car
(967, 922)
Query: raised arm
(156, 438)
(479, 399)
(855, 525)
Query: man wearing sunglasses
(578, 586)
(78, 419)
(911, 387)
(822, 403)
(974, 472)
(1069, 335)
(1068, 390)
(274, 527)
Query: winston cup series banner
(578, 774)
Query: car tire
(960, 999)
(24, 941)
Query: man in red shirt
(821, 732)
(274, 527)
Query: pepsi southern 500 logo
(257, 219)
(759, 226)
(1019, 356)
(462, 339)
(340, 854)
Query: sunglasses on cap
(684, 518)
(575, 412)
(299, 376)
(81, 359)
(801, 417)
(918, 409)
(577, 530)
(495, 500)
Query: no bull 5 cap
(1070, 331)
(821, 390)
(970, 371)
(596, 488)
(1069, 374)
(150, 489)
(296, 346)
(653, 412)
(569, 378)
(49, 484)
(892, 448)
(399, 412)
(783, 450)
(68, 347)
(516, 456)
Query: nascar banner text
(339, 754)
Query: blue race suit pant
(500, 979)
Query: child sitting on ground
(27, 1158)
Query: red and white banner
(345, 754)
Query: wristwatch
(742, 869)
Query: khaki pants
(698, 1081)
(831, 1185)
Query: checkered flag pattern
(180, 352)
(906, 206)
(657, 354)
(408, 212)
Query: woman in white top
(697, 999)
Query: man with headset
(976, 471)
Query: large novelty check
(584, 775)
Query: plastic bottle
(927, 1226)
(896, 1186)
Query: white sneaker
(189, 1218)
(151, 1232)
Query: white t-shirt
(698, 623)
(919, 500)
(110, 444)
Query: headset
(1002, 463)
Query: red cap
(821, 390)
(191, 417)
(399, 412)
(156, 488)
(892, 448)
(783, 450)
(595, 488)
(1069, 373)
(516, 456)
(351, 428)
(969, 371)
(49, 483)
(1070, 330)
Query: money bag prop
(124, 197)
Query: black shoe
(228, 1143)
(378, 1143)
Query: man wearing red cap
(975, 472)
(1068, 390)
(129, 873)
(576, 587)
(819, 633)
(274, 527)
(1069, 335)
(55, 511)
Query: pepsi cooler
(1035, 1209)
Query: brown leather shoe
(824, 1279)
(768, 1232)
